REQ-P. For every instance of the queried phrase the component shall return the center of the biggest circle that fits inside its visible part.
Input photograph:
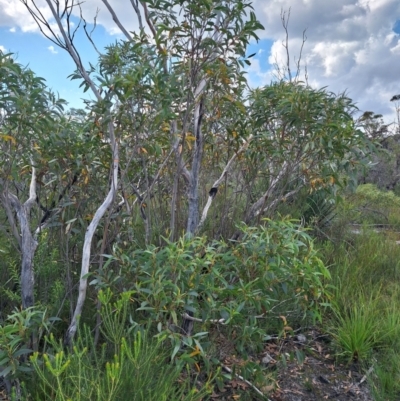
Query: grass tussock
(365, 268)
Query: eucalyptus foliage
(235, 284)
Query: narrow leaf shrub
(138, 372)
(238, 283)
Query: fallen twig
(369, 371)
(229, 370)
(195, 319)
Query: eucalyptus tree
(304, 138)
(29, 114)
(173, 94)
(174, 82)
(63, 36)
(176, 79)
(198, 50)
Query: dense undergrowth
(126, 271)
(271, 283)
(243, 290)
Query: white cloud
(13, 29)
(122, 9)
(14, 13)
(52, 50)
(2, 49)
(350, 45)
(256, 76)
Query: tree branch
(135, 6)
(214, 188)
(32, 190)
(116, 20)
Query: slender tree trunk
(214, 189)
(73, 327)
(28, 243)
(193, 195)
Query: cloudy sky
(352, 45)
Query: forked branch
(214, 189)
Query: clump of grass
(357, 330)
(366, 329)
(365, 269)
(385, 382)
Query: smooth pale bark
(193, 195)
(89, 237)
(67, 44)
(258, 206)
(214, 189)
(116, 20)
(193, 192)
(28, 243)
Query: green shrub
(20, 335)
(374, 206)
(237, 284)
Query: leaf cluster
(235, 284)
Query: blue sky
(352, 45)
(396, 27)
(53, 63)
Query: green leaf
(5, 371)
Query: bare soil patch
(305, 369)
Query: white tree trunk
(28, 243)
(69, 336)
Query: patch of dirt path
(302, 368)
(307, 371)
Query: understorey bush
(239, 285)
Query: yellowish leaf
(8, 138)
(195, 352)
